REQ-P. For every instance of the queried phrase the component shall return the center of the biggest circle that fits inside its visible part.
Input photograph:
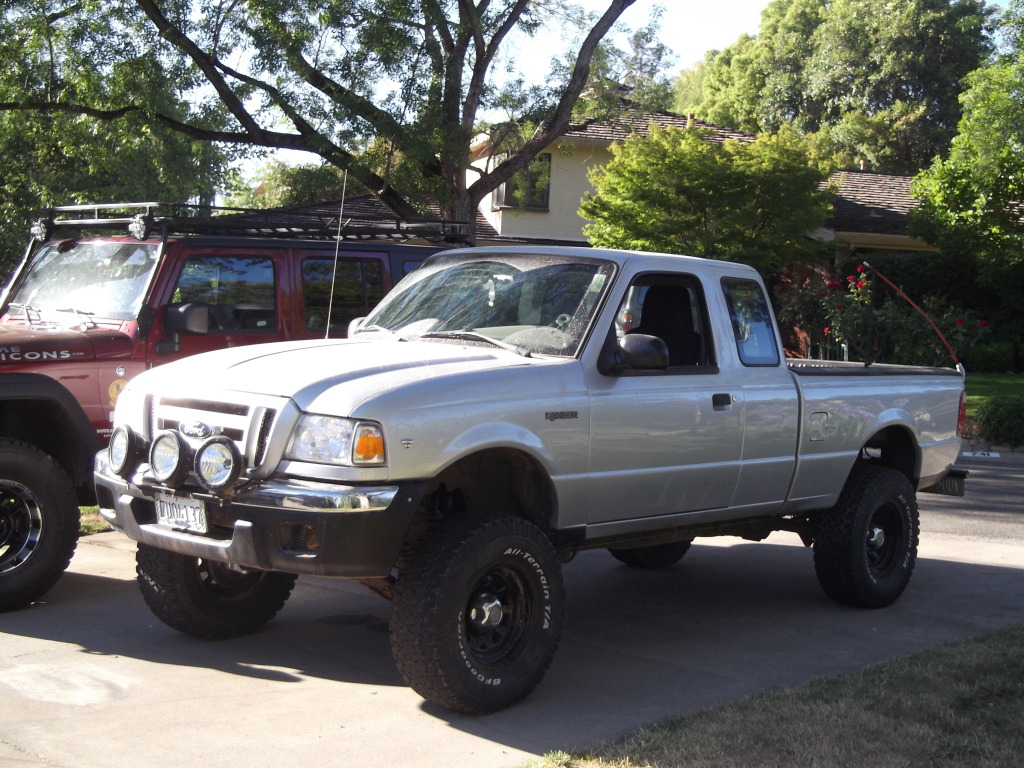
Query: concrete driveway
(90, 679)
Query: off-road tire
(654, 557)
(866, 546)
(477, 612)
(207, 599)
(38, 523)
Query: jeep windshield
(532, 303)
(89, 279)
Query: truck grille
(248, 426)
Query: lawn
(957, 706)
(981, 386)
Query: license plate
(180, 513)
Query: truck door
(665, 441)
(770, 403)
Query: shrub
(990, 357)
(1001, 420)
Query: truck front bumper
(287, 525)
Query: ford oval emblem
(195, 429)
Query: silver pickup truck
(499, 411)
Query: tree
(58, 159)
(878, 78)
(679, 192)
(60, 156)
(276, 184)
(971, 202)
(328, 77)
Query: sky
(692, 28)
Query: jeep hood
(21, 344)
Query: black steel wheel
(654, 557)
(477, 613)
(208, 599)
(866, 546)
(38, 523)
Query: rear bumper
(283, 525)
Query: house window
(528, 188)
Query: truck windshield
(99, 279)
(540, 304)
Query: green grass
(981, 386)
(90, 521)
(957, 706)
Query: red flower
(983, 324)
(850, 278)
(828, 330)
(820, 294)
(861, 284)
(960, 321)
(860, 267)
(835, 285)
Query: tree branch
(205, 62)
(559, 121)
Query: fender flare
(79, 451)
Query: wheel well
(501, 480)
(894, 447)
(43, 424)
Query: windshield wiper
(82, 315)
(28, 311)
(474, 336)
(382, 329)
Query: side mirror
(192, 319)
(354, 325)
(634, 352)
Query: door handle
(721, 401)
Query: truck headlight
(331, 440)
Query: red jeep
(88, 309)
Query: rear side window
(240, 290)
(358, 287)
(751, 322)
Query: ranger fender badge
(196, 430)
(556, 415)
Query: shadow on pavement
(637, 646)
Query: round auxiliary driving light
(218, 464)
(168, 458)
(123, 451)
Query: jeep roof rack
(142, 220)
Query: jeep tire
(38, 523)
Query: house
(871, 216)
(870, 212)
(549, 213)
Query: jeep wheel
(207, 599)
(653, 557)
(866, 546)
(38, 523)
(477, 613)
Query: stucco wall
(570, 162)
